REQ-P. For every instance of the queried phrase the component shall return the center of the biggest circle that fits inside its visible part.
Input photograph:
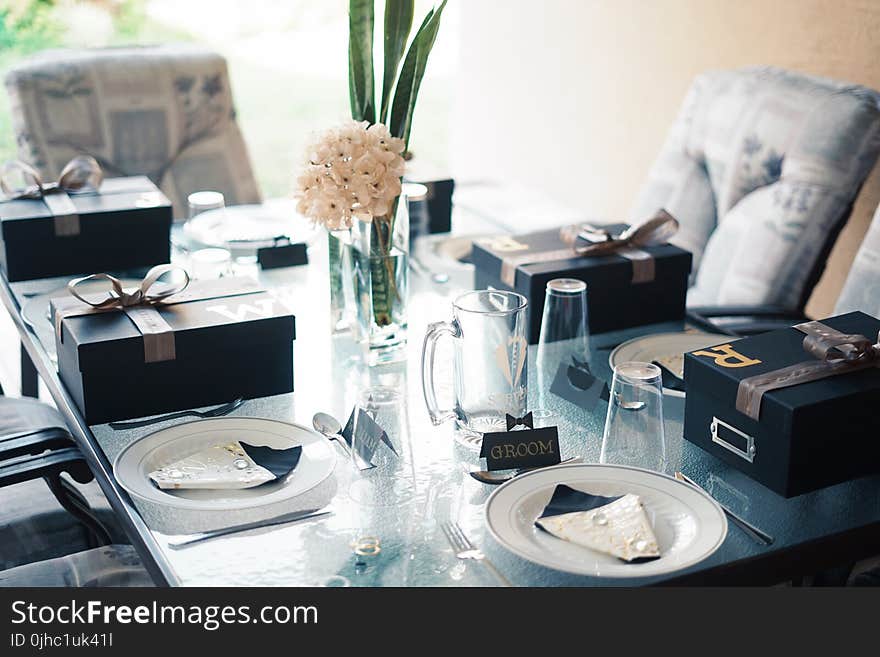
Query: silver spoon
(329, 426)
(493, 478)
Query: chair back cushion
(861, 291)
(761, 168)
(161, 111)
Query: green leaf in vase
(411, 74)
(361, 86)
(398, 23)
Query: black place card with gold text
(524, 448)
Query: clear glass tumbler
(203, 201)
(381, 437)
(564, 335)
(634, 425)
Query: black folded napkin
(280, 462)
(568, 500)
(670, 380)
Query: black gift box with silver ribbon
(629, 283)
(80, 223)
(796, 408)
(156, 349)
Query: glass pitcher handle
(433, 334)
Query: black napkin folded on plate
(670, 380)
(568, 500)
(280, 462)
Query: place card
(578, 386)
(365, 435)
(521, 448)
(285, 255)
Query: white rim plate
(133, 464)
(688, 523)
(246, 228)
(649, 348)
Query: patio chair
(34, 445)
(762, 167)
(861, 291)
(162, 111)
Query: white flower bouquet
(351, 178)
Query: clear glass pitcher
(490, 375)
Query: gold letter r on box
(725, 356)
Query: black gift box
(226, 347)
(125, 225)
(614, 302)
(808, 435)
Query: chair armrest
(746, 311)
(34, 442)
(34, 466)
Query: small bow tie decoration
(630, 244)
(834, 353)
(81, 174)
(526, 421)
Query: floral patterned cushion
(761, 168)
(161, 111)
(862, 288)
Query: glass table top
(329, 374)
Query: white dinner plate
(689, 525)
(35, 311)
(242, 229)
(669, 347)
(135, 462)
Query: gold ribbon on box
(630, 244)
(140, 304)
(834, 353)
(81, 174)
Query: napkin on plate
(617, 526)
(230, 466)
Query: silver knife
(760, 536)
(285, 519)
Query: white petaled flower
(351, 172)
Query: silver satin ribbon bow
(138, 303)
(81, 174)
(629, 244)
(834, 353)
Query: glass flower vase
(337, 244)
(378, 262)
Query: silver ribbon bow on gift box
(630, 244)
(140, 303)
(834, 353)
(81, 174)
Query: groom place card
(524, 448)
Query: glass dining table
(815, 531)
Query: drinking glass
(634, 424)
(564, 335)
(390, 482)
(210, 263)
(199, 202)
(490, 377)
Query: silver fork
(464, 549)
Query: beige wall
(575, 96)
